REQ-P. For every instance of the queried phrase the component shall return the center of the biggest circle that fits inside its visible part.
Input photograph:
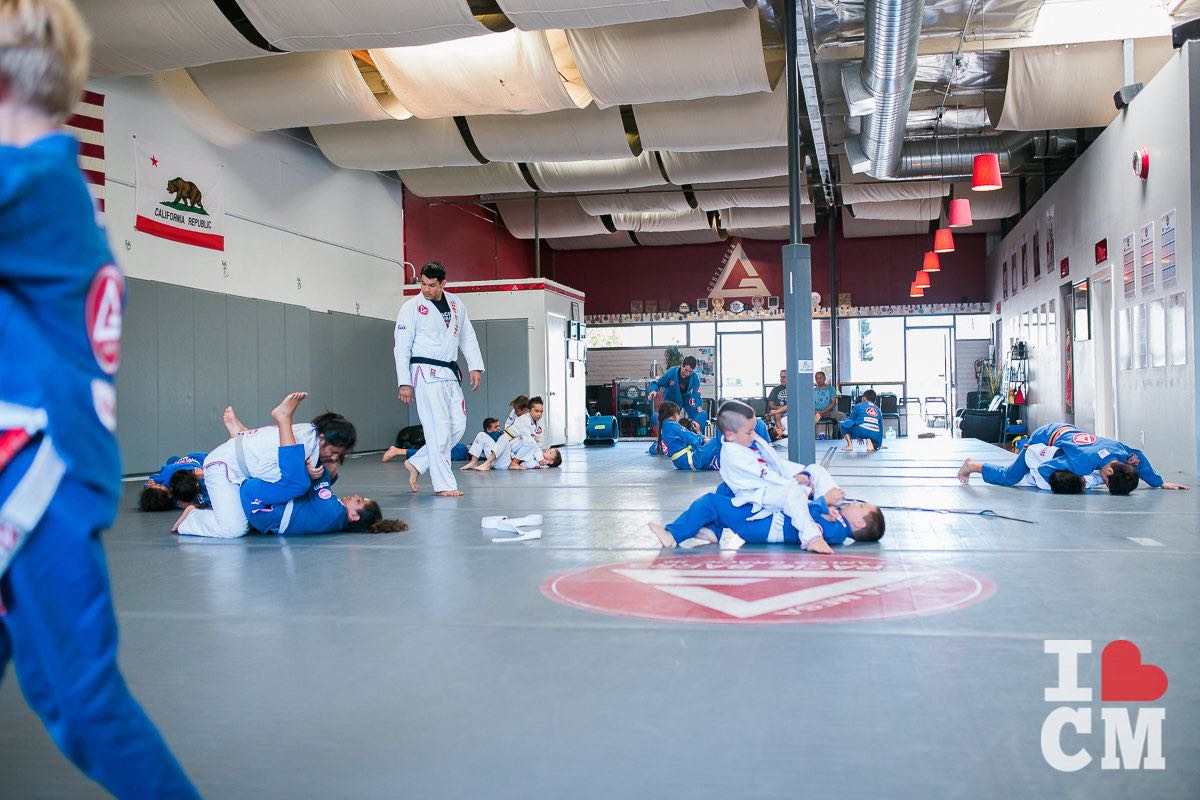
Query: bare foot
(413, 475)
(283, 412)
(870, 446)
(484, 467)
(664, 536)
(393, 452)
(450, 493)
(232, 424)
(964, 472)
(848, 448)
(182, 517)
(469, 465)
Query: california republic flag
(178, 198)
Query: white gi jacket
(1038, 454)
(421, 331)
(767, 483)
(255, 453)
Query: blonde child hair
(45, 49)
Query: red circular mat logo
(104, 301)
(1083, 438)
(771, 589)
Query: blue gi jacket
(686, 397)
(314, 508)
(61, 298)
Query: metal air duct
(883, 86)
(949, 157)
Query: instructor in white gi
(430, 330)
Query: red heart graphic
(1125, 679)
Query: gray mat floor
(431, 665)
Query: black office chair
(843, 404)
(986, 426)
(889, 408)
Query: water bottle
(891, 433)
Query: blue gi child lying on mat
(178, 484)
(788, 502)
(1065, 460)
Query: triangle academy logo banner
(178, 198)
(738, 277)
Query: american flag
(87, 125)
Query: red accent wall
(876, 272)
(466, 239)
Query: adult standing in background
(430, 330)
(681, 386)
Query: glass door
(740, 374)
(930, 374)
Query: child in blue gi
(1076, 459)
(681, 386)
(685, 448)
(302, 500)
(865, 422)
(61, 298)
(178, 483)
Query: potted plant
(674, 357)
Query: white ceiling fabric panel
(394, 144)
(133, 37)
(515, 72)
(359, 24)
(293, 90)
(1085, 77)
(715, 123)
(531, 15)
(605, 242)
(773, 234)
(670, 198)
(731, 165)
(457, 181)
(765, 217)
(557, 217)
(662, 221)
(761, 193)
(668, 238)
(865, 228)
(896, 190)
(898, 209)
(706, 55)
(596, 176)
(575, 135)
(999, 204)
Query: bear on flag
(178, 198)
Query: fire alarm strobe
(1141, 163)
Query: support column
(537, 235)
(797, 272)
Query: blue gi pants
(61, 635)
(1011, 475)
(859, 432)
(714, 511)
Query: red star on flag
(153, 161)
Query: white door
(555, 421)
(1102, 351)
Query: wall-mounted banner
(178, 198)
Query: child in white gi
(525, 426)
(525, 454)
(484, 444)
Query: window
(872, 350)
(774, 351)
(940, 321)
(669, 334)
(735, 327)
(704, 334)
(622, 336)
(972, 326)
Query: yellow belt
(687, 450)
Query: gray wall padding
(189, 353)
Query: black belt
(433, 362)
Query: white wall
(1100, 197)
(290, 213)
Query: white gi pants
(482, 446)
(443, 413)
(226, 519)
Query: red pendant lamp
(943, 241)
(916, 291)
(931, 264)
(985, 177)
(922, 280)
(960, 213)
